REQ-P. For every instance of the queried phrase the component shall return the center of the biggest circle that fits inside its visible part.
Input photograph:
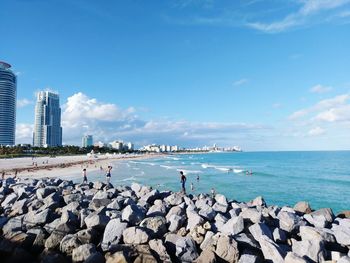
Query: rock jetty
(54, 220)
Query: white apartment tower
(47, 124)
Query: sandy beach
(62, 166)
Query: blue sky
(265, 75)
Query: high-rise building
(87, 141)
(47, 125)
(8, 91)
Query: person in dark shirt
(85, 180)
(183, 181)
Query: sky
(264, 75)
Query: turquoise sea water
(282, 178)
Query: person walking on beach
(183, 181)
(197, 178)
(85, 180)
(192, 188)
(213, 193)
(108, 174)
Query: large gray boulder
(271, 250)
(9, 200)
(207, 256)
(113, 233)
(175, 222)
(207, 213)
(186, 249)
(150, 197)
(288, 221)
(294, 258)
(227, 249)
(248, 258)
(320, 218)
(96, 221)
(68, 243)
(342, 231)
(313, 249)
(135, 236)
(258, 230)
(83, 252)
(156, 225)
(251, 214)
(321, 234)
(133, 214)
(174, 199)
(193, 219)
(157, 247)
(303, 207)
(233, 226)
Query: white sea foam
(237, 171)
(189, 171)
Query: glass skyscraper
(87, 141)
(8, 91)
(47, 124)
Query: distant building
(130, 146)
(8, 91)
(117, 145)
(47, 125)
(100, 144)
(87, 141)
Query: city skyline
(264, 75)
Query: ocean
(282, 178)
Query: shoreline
(63, 165)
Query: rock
(68, 243)
(50, 256)
(133, 214)
(19, 208)
(115, 204)
(12, 225)
(150, 197)
(193, 219)
(157, 210)
(294, 258)
(69, 217)
(288, 221)
(57, 235)
(87, 236)
(197, 234)
(174, 199)
(208, 242)
(227, 249)
(220, 208)
(344, 214)
(258, 201)
(258, 230)
(344, 259)
(279, 235)
(186, 249)
(41, 193)
(320, 218)
(310, 233)
(170, 243)
(72, 198)
(135, 236)
(303, 207)
(83, 252)
(342, 231)
(251, 214)
(233, 226)
(9, 200)
(207, 213)
(98, 185)
(221, 199)
(143, 254)
(113, 233)
(96, 257)
(37, 218)
(207, 256)
(247, 258)
(96, 221)
(247, 242)
(175, 223)
(157, 247)
(271, 250)
(52, 226)
(117, 257)
(312, 249)
(156, 225)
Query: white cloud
(24, 133)
(341, 113)
(320, 89)
(240, 82)
(23, 102)
(336, 102)
(308, 9)
(316, 131)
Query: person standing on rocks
(108, 175)
(183, 181)
(85, 180)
